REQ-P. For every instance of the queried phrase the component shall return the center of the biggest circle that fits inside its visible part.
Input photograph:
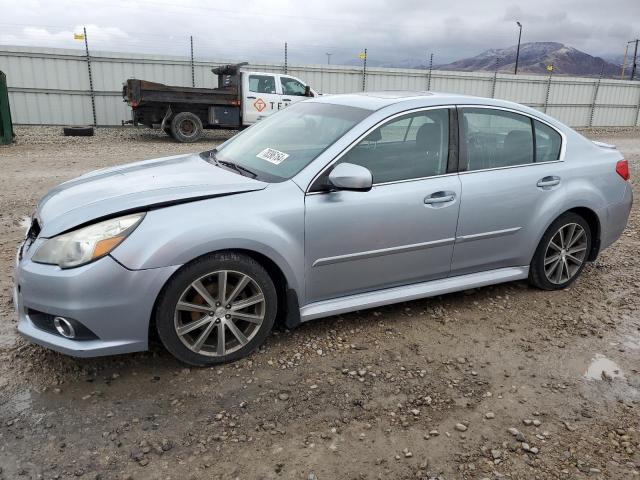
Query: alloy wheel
(219, 313)
(565, 253)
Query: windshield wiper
(213, 158)
(238, 168)
(234, 166)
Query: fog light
(64, 327)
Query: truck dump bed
(142, 92)
(155, 104)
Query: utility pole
(91, 91)
(515, 72)
(328, 58)
(635, 58)
(193, 71)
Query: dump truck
(241, 99)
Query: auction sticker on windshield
(272, 155)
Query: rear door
(509, 166)
(261, 96)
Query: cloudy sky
(256, 30)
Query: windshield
(278, 147)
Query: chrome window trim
(467, 172)
(563, 138)
(563, 146)
(352, 145)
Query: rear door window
(262, 83)
(496, 138)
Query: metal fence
(50, 86)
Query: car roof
(377, 100)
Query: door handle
(251, 98)
(547, 182)
(439, 197)
(286, 99)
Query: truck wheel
(186, 127)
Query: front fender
(269, 222)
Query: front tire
(216, 309)
(561, 253)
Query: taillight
(622, 169)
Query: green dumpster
(6, 127)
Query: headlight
(87, 244)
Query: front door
(511, 168)
(293, 90)
(401, 231)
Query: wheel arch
(288, 313)
(592, 219)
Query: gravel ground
(498, 382)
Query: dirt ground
(498, 382)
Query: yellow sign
(362, 56)
(78, 36)
(549, 67)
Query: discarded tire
(78, 131)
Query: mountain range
(534, 57)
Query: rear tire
(561, 253)
(186, 127)
(192, 317)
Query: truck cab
(265, 93)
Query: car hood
(136, 186)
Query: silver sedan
(332, 205)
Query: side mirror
(347, 176)
(307, 91)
